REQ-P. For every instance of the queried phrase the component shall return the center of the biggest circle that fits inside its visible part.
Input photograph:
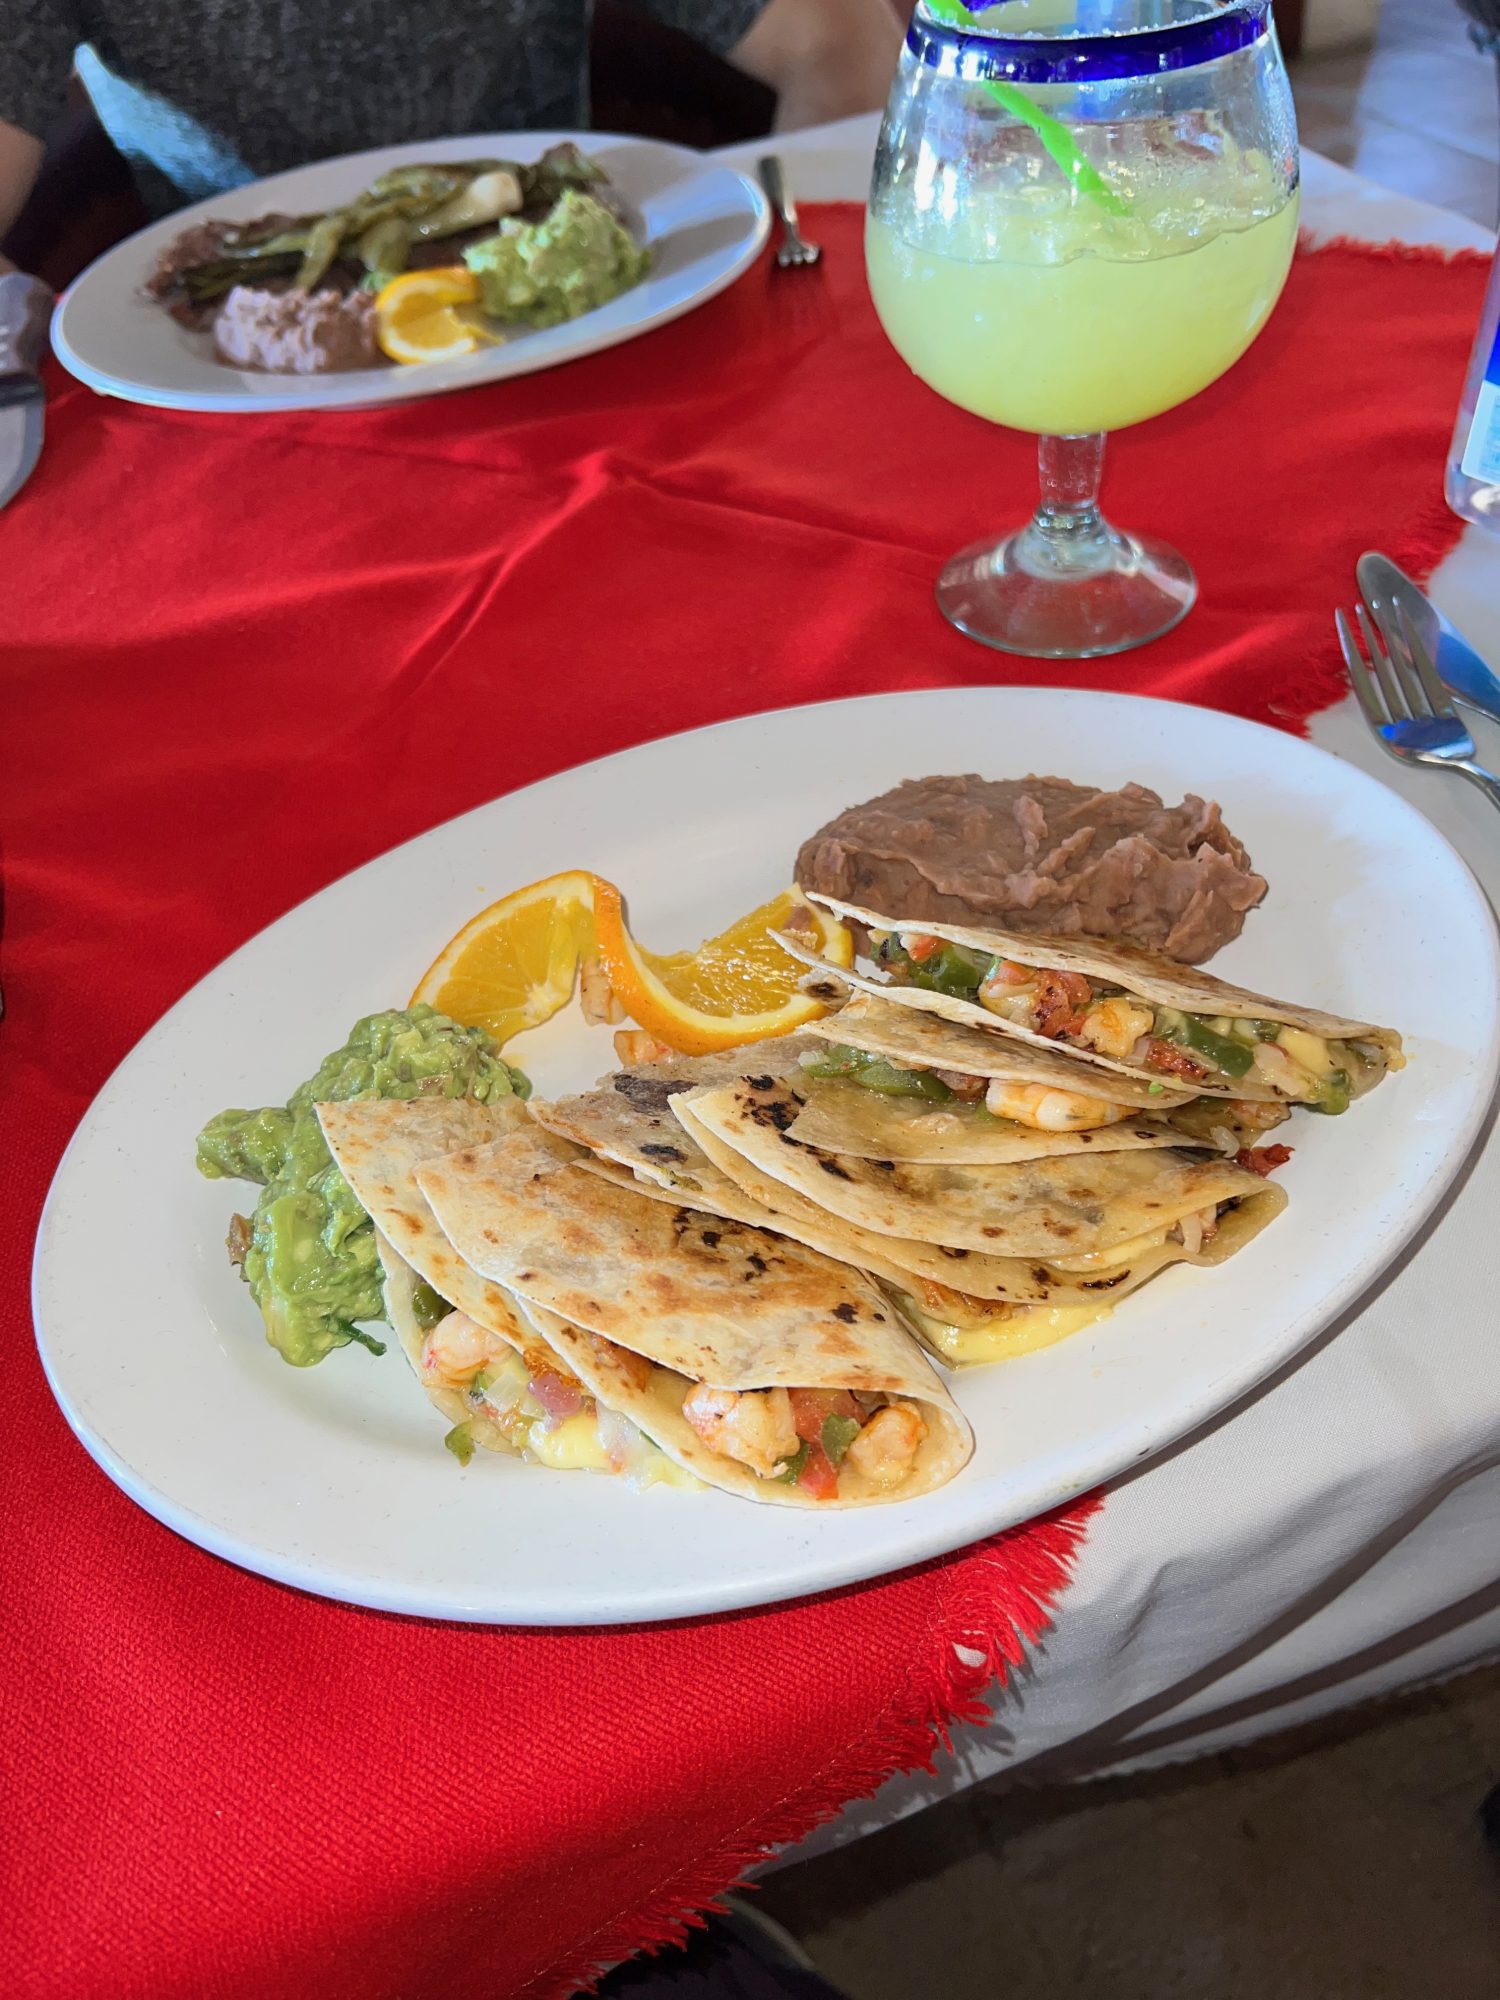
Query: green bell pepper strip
(875, 1073)
(791, 1470)
(1227, 1054)
(948, 970)
(838, 1434)
(1057, 140)
(1333, 1094)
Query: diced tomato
(1166, 1056)
(819, 1476)
(811, 1406)
(1005, 972)
(918, 948)
(1262, 1160)
(1060, 1001)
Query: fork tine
(1360, 677)
(1438, 698)
(1404, 668)
(1380, 661)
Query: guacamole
(541, 273)
(308, 1253)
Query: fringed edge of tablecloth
(998, 1601)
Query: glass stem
(1067, 536)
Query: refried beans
(1041, 855)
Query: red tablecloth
(240, 656)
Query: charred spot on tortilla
(777, 1116)
(831, 990)
(648, 1093)
(949, 1251)
(1103, 1284)
(831, 1166)
(761, 1082)
(847, 1312)
(656, 1151)
(711, 1239)
(884, 1166)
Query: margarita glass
(1083, 212)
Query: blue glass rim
(1134, 52)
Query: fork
(794, 253)
(1407, 707)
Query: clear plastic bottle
(1473, 484)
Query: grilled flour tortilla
(1062, 1208)
(964, 1305)
(970, 1307)
(479, 1359)
(1117, 1007)
(764, 1368)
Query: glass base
(1066, 598)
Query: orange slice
(417, 315)
(738, 987)
(513, 966)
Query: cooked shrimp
(886, 1447)
(1256, 1116)
(1048, 1110)
(1115, 1026)
(754, 1426)
(1198, 1228)
(634, 1046)
(457, 1348)
(597, 997)
(1009, 990)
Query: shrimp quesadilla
(1118, 1007)
(969, 1306)
(480, 1360)
(757, 1364)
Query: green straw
(1057, 140)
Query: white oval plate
(705, 222)
(335, 1479)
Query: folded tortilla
(378, 1144)
(1064, 1207)
(708, 1303)
(965, 1306)
(1144, 976)
(628, 1127)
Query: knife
(1390, 594)
(23, 322)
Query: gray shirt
(200, 95)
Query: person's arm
(824, 58)
(20, 160)
(25, 302)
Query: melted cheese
(1128, 1252)
(1020, 1332)
(574, 1446)
(571, 1446)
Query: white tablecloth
(1338, 1534)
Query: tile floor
(1339, 1862)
